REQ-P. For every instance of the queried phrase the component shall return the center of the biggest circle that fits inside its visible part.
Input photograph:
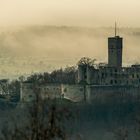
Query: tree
(45, 122)
(67, 76)
(86, 61)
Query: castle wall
(51, 91)
(48, 91)
(27, 92)
(74, 93)
(94, 92)
(82, 73)
(92, 75)
(78, 93)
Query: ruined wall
(78, 93)
(48, 91)
(27, 92)
(112, 92)
(82, 73)
(92, 75)
(74, 93)
(51, 91)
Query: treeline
(11, 90)
(67, 76)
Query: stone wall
(27, 92)
(94, 92)
(74, 93)
(78, 93)
(48, 91)
(51, 91)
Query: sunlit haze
(41, 35)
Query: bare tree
(46, 122)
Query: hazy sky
(70, 12)
(68, 44)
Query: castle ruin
(95, 82)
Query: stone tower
(115, 46)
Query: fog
(29, 49)
(41, 35)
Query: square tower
(115, 46)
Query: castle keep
(112, 73)
(95, 81)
